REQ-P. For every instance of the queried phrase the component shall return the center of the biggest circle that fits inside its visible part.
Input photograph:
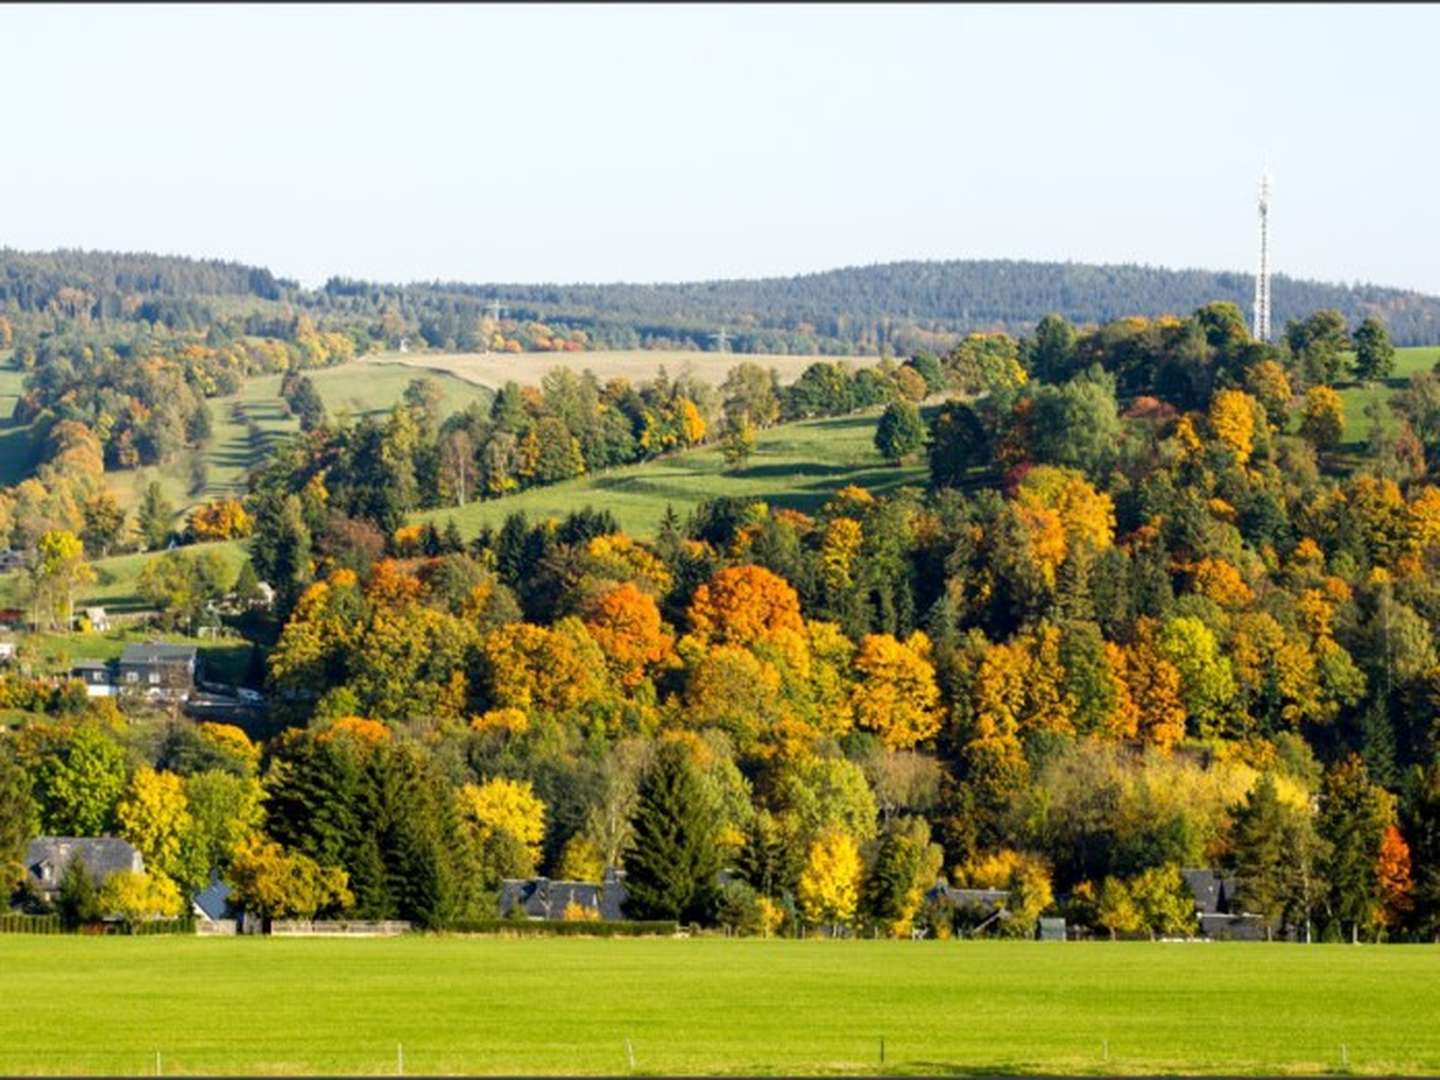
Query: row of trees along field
(1123, 632)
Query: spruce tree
(154, 517)
(673, 858)
(1258, 855)
(1352, 821)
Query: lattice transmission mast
(1261, 329)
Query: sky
(647, 143)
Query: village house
(159, 669)
(155, 669)
(48, 857)
(1217, 908)
(541, 898)
(96, 676)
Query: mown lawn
(799, 466)
(488, 1006)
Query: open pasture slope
(798, 466)
(488, 1006)
(358, 389)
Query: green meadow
(798, 466)
(447, 1005)
(355, 390)
(1357, 396)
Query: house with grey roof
(159, 669)
(1217, 906)
(541, 898)
(48, 857)
(96, 675)
(972, 911)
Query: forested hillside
(902, 304)
(900, 307)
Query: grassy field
(117, 578)
(495, 369)
(796, 465)
(1356, 397)
(16, 452)
(356, 389)
(487, 1006)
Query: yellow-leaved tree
(829, 886)
(140, 897)
(154, 815)
(508, 806)
(895, 694)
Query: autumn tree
(1392, 872)
(140, 896)
(59, 568)
(829, 888)
(744, 604)
(1322, 420)
(506, 806)
(625, 623)
(154, 815)
(278, 884)
(895, 694)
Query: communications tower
(1261, 330)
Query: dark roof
(991, 898)
(1214, 892)
(214, 901)
(541, 898)
(102, 855)
(158, 653)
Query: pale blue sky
(649, 143)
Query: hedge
(576, 928)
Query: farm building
(48, 857)
(1217, 908)
(541, 898)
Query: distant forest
(898, 307)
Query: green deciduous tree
(900, 432)
(1374, 355)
